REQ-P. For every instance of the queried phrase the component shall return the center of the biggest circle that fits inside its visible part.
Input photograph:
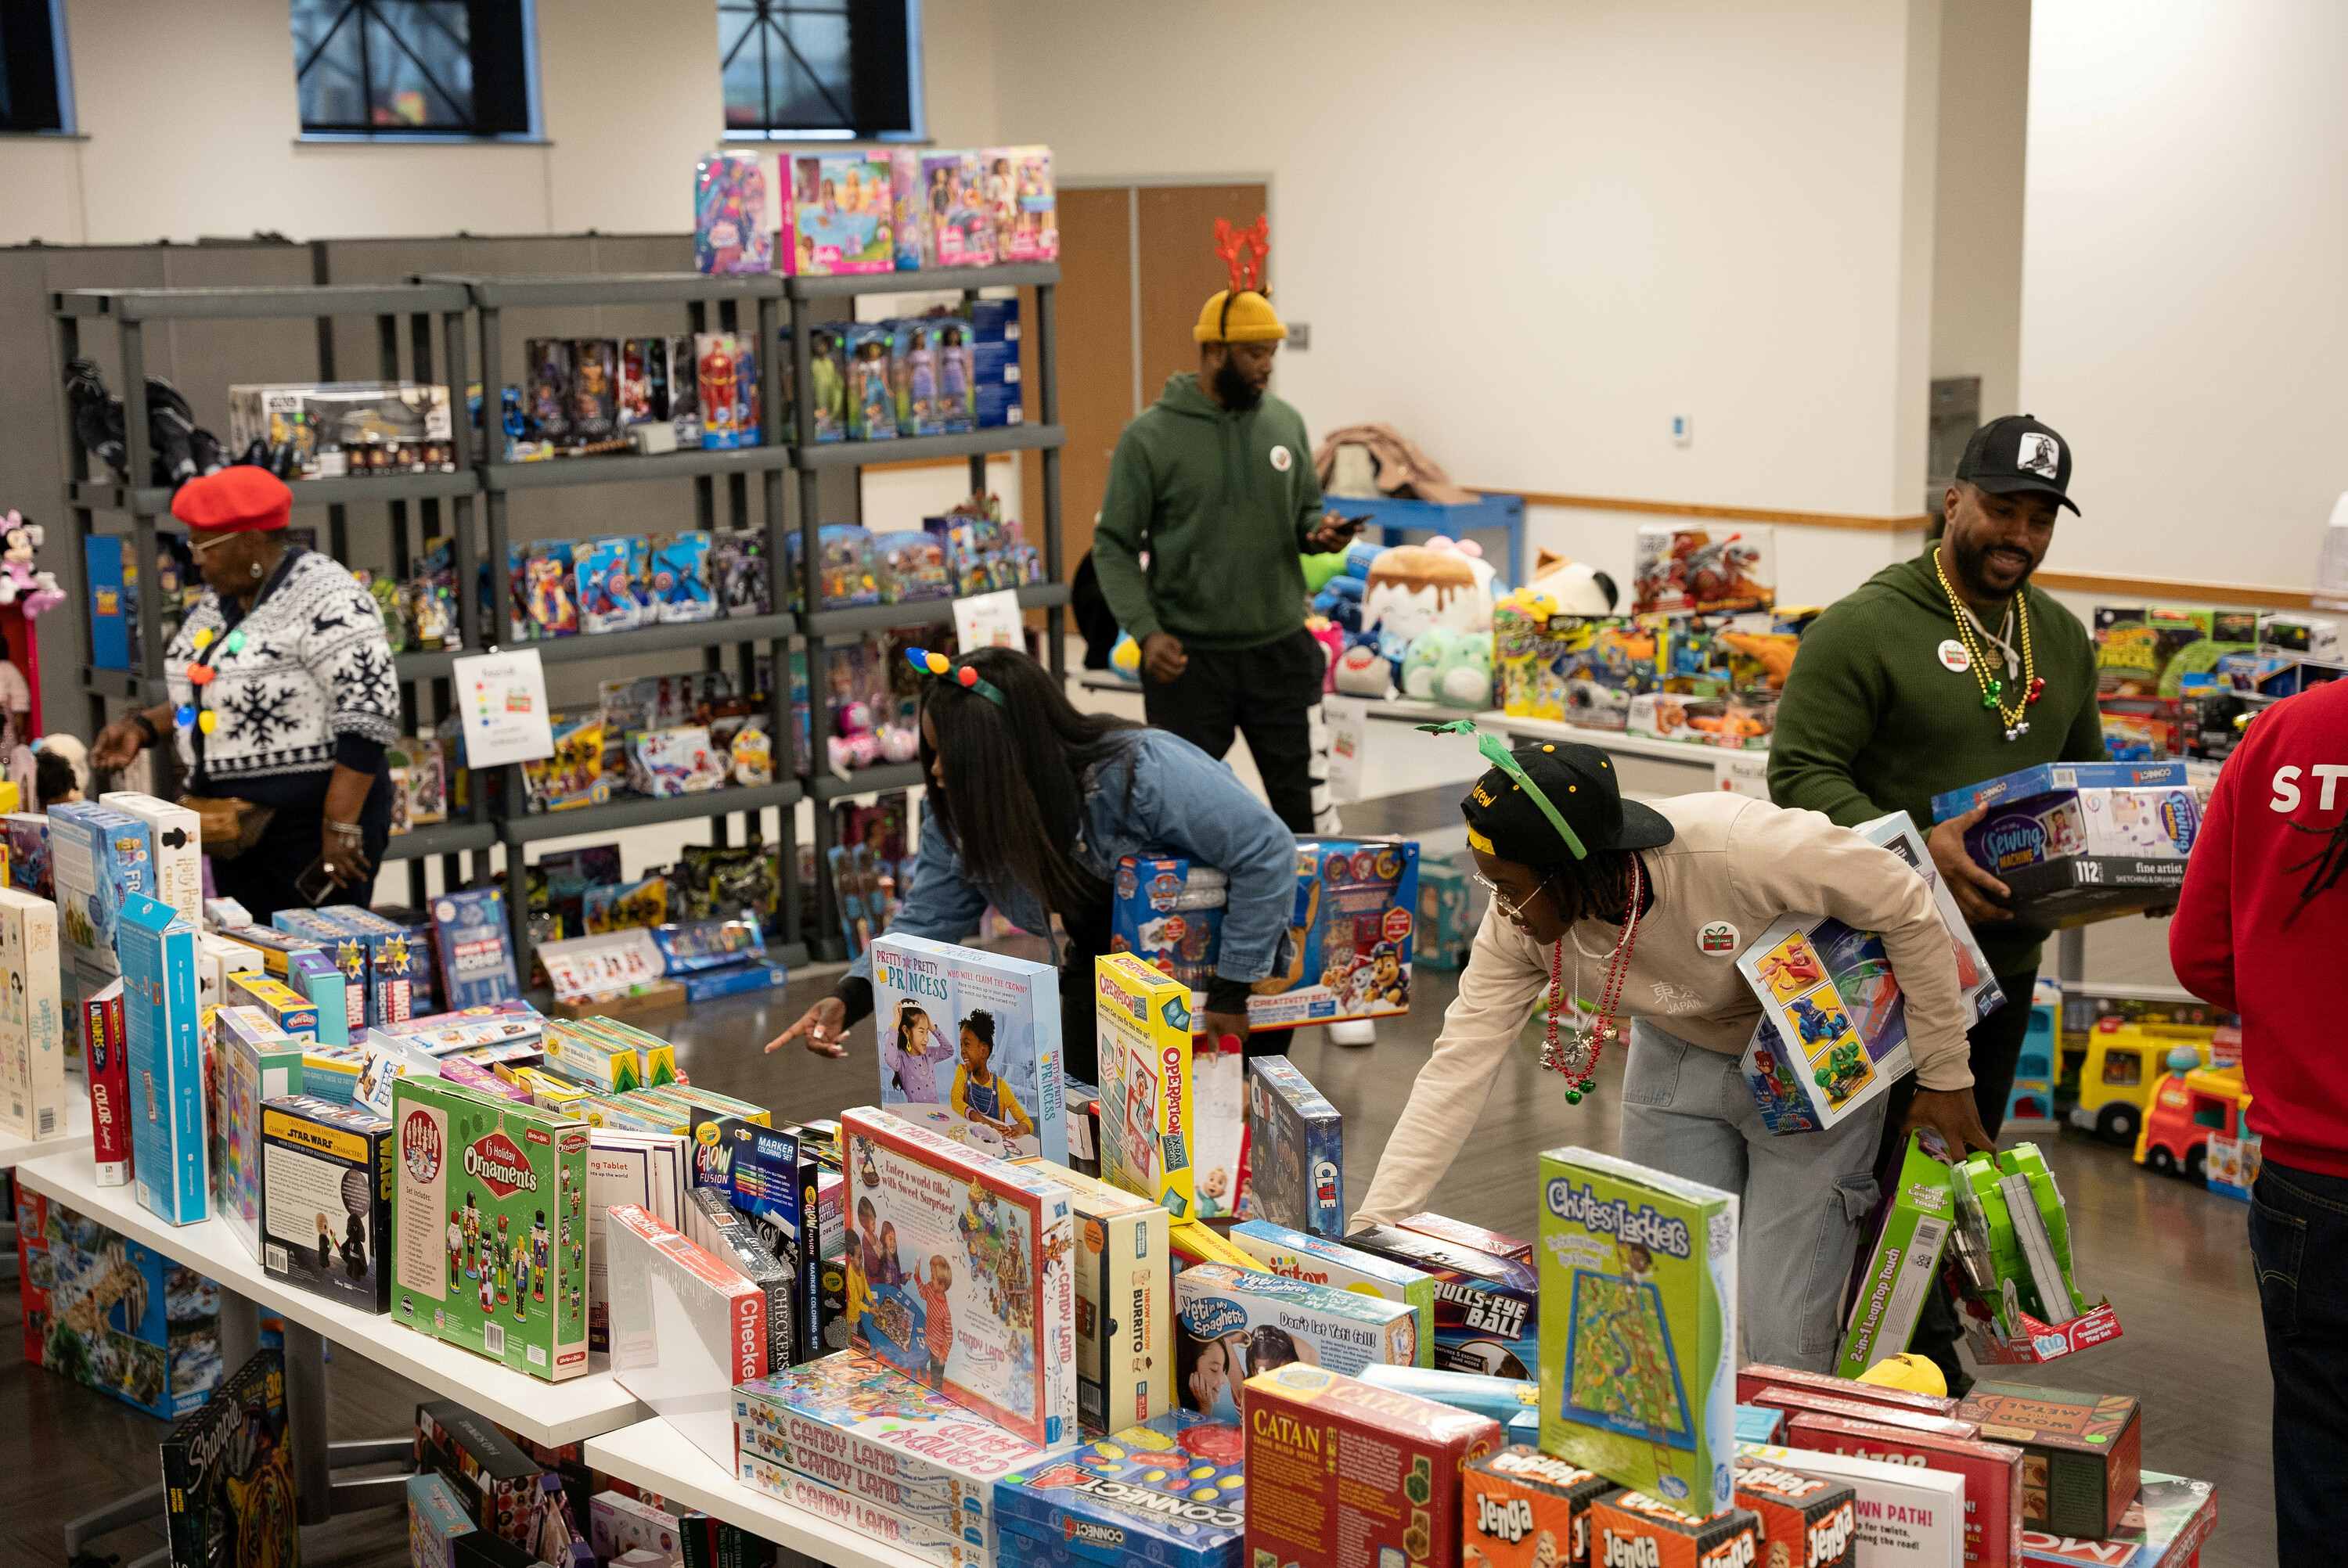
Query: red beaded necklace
(1577, 1056)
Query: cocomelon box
(1317, 1260)
(1638, 1326)
(961, 1272)
(1806, 1520)
(970, 1045)
(1518, 1508)
(1144, 1021)
(1296, 1150)
(1233, 1323)
(1637, 1531)
(1125, 1302)
(1484, 1305)
(1343, 1475)
(491, 1227)
(1170, 1493)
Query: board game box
(436, 1517)
(105, 1060)
(1343, 1475)
(490, 1203)
(1507, 1401)
(1992, 1473)
(496, 1480)
(1632, 1527)
(1903, 1514)
(770, 1175)
(100, 858)
(2081, 1452)
(176, 842)
(33, 1089)
(687, 1326)
(1125, 1302)
(618, 1524)
(2166, 1527)
(1484, 1305)
(1814, 1519)
(1518, 1508)
(111, 1314)
(1296, 1150)
(253, 1061)
(1168, 1492)
(325, 1199)
(1444, 1227)
(726, 1234)
(1834, 1022)
(627, 1166)
(1638, 1326)
(228, 1474)
(1143, 1022)
(168, 1124)
(470, 934)
(1232, 1323)
(929, 1543)
(1317, 1260)
(960, 1272)
(970, 1042)
(1756, 1375)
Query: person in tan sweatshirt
(1704, 876)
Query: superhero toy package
(1296, 1150)
(1170, 1493)
(1833, 1032)
(1690, 570)
(1518, 1508)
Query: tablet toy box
(1317, 1260)
(1630, 1527)
(1813, 1519)
(325, 1199)
(253, 1061)
(32, 1088)
(477, 959)
(1170, 1493)
(961, 1272)
(2081, 1452)
(1902, 1513)
(1895, 1278)
(1296, 1150)
(1232, 1323)
(970, 1044)
(228, 1473)
(1992, 1473)
(1343, 1475)
(1484, 1305)
(1518, 1508)
(1638, 1326)
(490, 1205)
(1144, 1020)
(1125, 1302)
(170, 1116)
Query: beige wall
(1977, 237)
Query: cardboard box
(1800, 1402)
(718, 1229)
(325, 1199)
(1343, 1475)
(34, 1093)
(1682, 570)
(2082, 1453)
(1632, 1527)
(1518, 1508)
(1833, 1033)
(1903, 1270)
(350, 953)
(1137, 1496)
(1992, 1473)
(770, 1175)
(1124, 1303)
(687, 1326)
(1232, 1323)
(277, 949)
(1189, 1242)
(169, 1125)
(107, 1312)
(939, 1009)
(175, 839)
(1316, 1260)
(436, 1517)
(100, 858)
(1815, 1520)
(618, 1524)
(315, 976)
(253, 1061)
(1639, 1267)
(1504, 1399)
(105, 1062)
(1906, 1515)
(2049, 779)
(288, 1009)
(1458, 1231)
(2166, 1527)
(1484, 1305)
(469, 932)
(1296, 1151)
(1144, 1021)
(1756, 1375)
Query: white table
(1691, 753)
(15, 1151)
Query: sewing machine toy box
(1701, 571)
(942, 1013)
(1519, 1507)
(1486, 1306)
(1343, 1475)
(1296, 1150)
(170, 1136)
(1168, 1492)
(112, 1314)
(1144, 1020)
(34, 1092)
(2067, 865)
(489, 1200)
(1638, 1326)
(964, 1275)
(1256, 1320)
(1125, 1302)
(325, 1199)
(1319, 1260)
(228, 1473)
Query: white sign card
(502, 697)
(988, 620)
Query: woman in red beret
(285, 672)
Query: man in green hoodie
(1215, 483)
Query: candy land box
(489, 1199)
(1317, 1260)
(1168, 1493)
(853, 1512)
(1903, 1514)
(1630, 1527)
(1638, 1326)
(1125, 1302)
(1144, 1021)
(961, 1272)
(1296, 1150)
(1903, 1269)
(1991, 1472)
(2165, 1527)
(947, 1017)
(1484, 1305)
(34, 1092)
(1343, 1475)
(1232, 1323)
(475, 947)
(2081, 1452)
(325, 1199)
(169, 1110)
(1518, 1508)
(1815, 1520)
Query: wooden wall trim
(2158, 589)
(1874, 525)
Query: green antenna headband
(1496, 753)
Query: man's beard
(1972, 563)
(1234, 391)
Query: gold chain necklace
(1992, 688)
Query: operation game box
(1145, 1089)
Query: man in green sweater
(1215, 483)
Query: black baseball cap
(2018, 456)
(1580, 780)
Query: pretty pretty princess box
(970, 1044)
(961, 1272)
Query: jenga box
(1906, 1514)
(2082, 1453)
(1992, 1473)
(1806, 1520)
(1343, 1475)
(1631, 1530)
(1756, 1375)
(1518, 1508)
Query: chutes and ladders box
(687, 1326)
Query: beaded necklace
(1577, 1055)
(1992, 687)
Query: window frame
(527, 67)
(917, 109)
(60, 68)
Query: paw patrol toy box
(2078, 842)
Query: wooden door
(1178, 268)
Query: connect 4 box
(1169, 1493)
(1125, 1302)
(1638, 1326)
(1522, 1509)
(1295, 1157)
(169, 1122)
(1145, 1070)
(32, 1088)
(1317, 1260)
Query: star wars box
(2081, 1452)
(1168, 1493)
(1992, 1473)
(1125, 1302)
(1343, 1475)
(436, 1517)
(1144, 1021)
(33, 1089)
(228, 1473)
(1638, 1326)
(1903, 1270)
(1231, 1323)
(1905, 1514)
(1296, 1150)
(1806, 1520)
(489, 1200)
(105, 1059)
(1459, 1232)
(253, 1061)
(687, 1326)
(176, 842)
(1484, 1305)
(1316, 1260)
(1518, 1508)
(325, 1199)
(1631, 1528)
(170, 1124)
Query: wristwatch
(146, 727)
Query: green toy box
(1903, 1269)
(1638, 1327)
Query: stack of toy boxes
(1124, 1302)
(1143, 1022)
(770, 1175)
(1295, 1162)
(436, 1517)
(277, 949)
(994, 343)
(101, 858)
(1638, 1326)
(112, 1314)
(254, 1061)
(1485, 1306)
(607, 1054)
(169, 1122)
(1905, 1513)
(316, 927)
(287, 1008)
(34, 1093)
(391, 960)
(2082, 841)
(325, 1199)
(1522, 1509)
(489, 1196)
(1317, 1260)
(1170, 1493)
(1991, 1472)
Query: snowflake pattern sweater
(310, 684)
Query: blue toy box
(1296, 1159)
(475, 948)
(349, 954)
(319, 979)
(99, 858)
(679, 577)
(610, 582)
(1450, 906)
(391, 960)
(1485, 1314)
(112, 593)
(2049, 778)
(169, 1133)
(1167, 1493)
(114, 1315)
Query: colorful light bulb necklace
(1992, 688)
(1577, 1055)
(200, 675)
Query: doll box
(737, 206)
(1143, 1022)
(1343, 1475)
(1638, 1326)
(960, 1272)
(841, 215)
(1632, 1527)
(1814, 1518)
(1125, 1302)
(1904, 1513)
(687, 1326)
(169, 1110)
(325, 1199)
(1296, 1158)
(1317, 1260)
(1518, 1508)
(944, 1011)
(34, 1092)
(1485, 1307)
(1167, 1492)
(2081, 1452)
(1992, 1473)
(1231, 1323)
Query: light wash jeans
(1803, 1197)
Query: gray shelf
(612, 288)
(640, 812)
(126, 684)
(725, 631)
(933, 280)
(429, 664)
(441, 838)
(920, 612)
(865, 780)
(629, 468)
(925, 449)
(155, 500)
(259, 304)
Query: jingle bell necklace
(1992, 688)
(1577, 1055)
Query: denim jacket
(1183, 801)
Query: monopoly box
(476, 949)
(1484, 1305)
(1145, 1070)
(1317, 1260)
(1814, 1519)
(687, 1326)
(1992, 1473)
(489, 1200)
(325, 1199)
(33, 1089)
(228, 1473)
(1518, 1508)
(1343, 1475)
(253, 1061)
(1632, 1527)
(1638, 1326)
(961, 1272)
(1903, 1269)
(1167, 1492)
(168, 1132)
(1125, 1302)
(1232, 1323)
(973, 1040)
(1295, 1158)
(2166, 1527)
(2081, 1452)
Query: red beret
(238, 500)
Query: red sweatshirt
(2243, 941)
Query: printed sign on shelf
(503, 700)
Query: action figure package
(34, 1092)
(1164, 1493)
(471, 932)
(594, 394)
(420, 784)
(1904, 1513)
(1343, 1475)
(611, 580)
(1903, 1270)
(573, 776)
(504, 1273)
(253, 1061)
(840, 215)
(1485, 1306)
(684, 392)
(1992, 1473)
(1124, 1302)
(847, 570)
(687, 1326)
(871, 348)
(391, 956)
(970, 1046)
(717, 363)
(1318, 1260)
(643, 381)
(1296, 1150)
(920, 410)
(678, 761)
(2080, 1453)
(1518, 1508)
(546, 399)
(1633, 1527)
(325, 1199)
(168, 1121)
(1144, 1024)
(961, 1272)
(912, 567)
(681, 584)
(228, 1474)
(1688, 570)
(1232, 1323)
(113, 1315)
(739, 572)
(737, 207)
(1638, 1330)
(1814, 1519)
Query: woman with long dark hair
(1031, 805)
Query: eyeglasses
(199, 548)
(1500, 900)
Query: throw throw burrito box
(1124, 1302)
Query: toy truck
(2121, 1068)
(2192, 1105)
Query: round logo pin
(1281, 459)
(1717, 939)
(1953, 656)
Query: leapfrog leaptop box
(1232, 1323)
(1903, 1268)
(1144, 1020)
(1638, 1326)
(970, 1042)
